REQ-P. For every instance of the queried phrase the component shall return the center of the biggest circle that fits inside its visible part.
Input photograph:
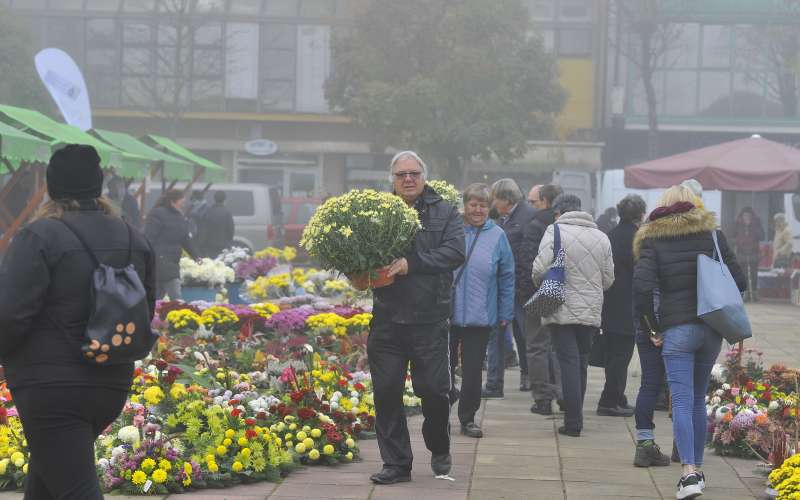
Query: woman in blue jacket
(483, 297)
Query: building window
(251, 7)
(541, 10)
(281, 8)
(318, 8)
(103, 5)
(575, 42)
(139, 5)
(278, 72)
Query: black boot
(471, 430)
(391, 475)
(649, 454)
(676, 458)
(542, 407)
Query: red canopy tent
(753, 164)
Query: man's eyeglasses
(532, 202)
(403, 175)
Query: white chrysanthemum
(128, 434)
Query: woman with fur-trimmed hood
(667, 248)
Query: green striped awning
(213, 172)
(17, 147)
(174, 168)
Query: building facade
(216, 74)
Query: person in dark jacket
(128, 207)
(411, 324)
(608, 220)
(514, 215)
(667, 248)
(543, 369)
(216, 227)
(63, 402)
(618, 309)
(168, 232)
(483, 297)
(747, 238)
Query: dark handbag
(597, 356)
(118, 330)
(551, 294)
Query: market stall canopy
(17, 147)
(174, 168)
(752, 164)
(213, 172)
(35, 123)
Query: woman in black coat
(618, 309)
(168, 231)
(667, 248)
(64, 403)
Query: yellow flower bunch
(183, 319)
(359, 321)
(153, 394)
(286, 254)
(360, 230)
(335, 286)
(218, 316)
(265, 287)
(265, 309)
(328, 321)
(786, 479)
(177, 391)
(447, 191)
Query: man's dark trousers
(391, 347)
(573, 343)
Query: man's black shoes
(471, 430)
(391, 475)
(441, 464)
(542, 407)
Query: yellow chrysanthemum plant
(786, 479)
(14, 455)
(447, 191)
(360, 232)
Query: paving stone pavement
(522, 457)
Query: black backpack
(118, 330)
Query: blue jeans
(495, 361)
(689, 353)
(652, 378)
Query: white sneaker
(689, 487)
(701, 480)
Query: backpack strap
(466, 260)
(556, 241)
(77, 234)
(89, 250)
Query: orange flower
(727, 417)
(761, 419)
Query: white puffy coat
(589, 269)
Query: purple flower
(253, 268)
(290, 320)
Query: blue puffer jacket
(485, 294)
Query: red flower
(297, 396)
(236, 412)
(342, 382)
(306, 413)
(326, 408)
(359, 386)
(160, 364)
(3, 416)
(750, 385)
(767, 396)
(250, 421)
(250, 434)
(262, 415)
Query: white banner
(64, 81)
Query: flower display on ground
(208, 272)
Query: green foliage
(455, 80)
(19, 85)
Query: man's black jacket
(423, 295)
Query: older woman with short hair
(483, 296)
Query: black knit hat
(74, 173)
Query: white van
(256, 209)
